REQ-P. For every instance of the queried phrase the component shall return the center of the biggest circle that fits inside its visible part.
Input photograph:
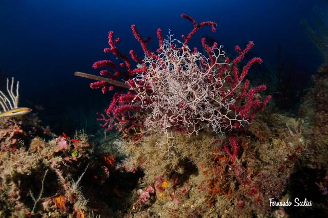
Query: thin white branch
(36, 201)
(9, 101)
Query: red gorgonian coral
(176, 88)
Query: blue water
(42, 43)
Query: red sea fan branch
(143, 42)
(112, 43)
(219, 98)
(210, 50)
(196, 27)
(233, 152)
(160, 39)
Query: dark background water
(43, 42)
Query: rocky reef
(198, 143)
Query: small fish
(16, 112)
(39, 107)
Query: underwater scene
(164, 109)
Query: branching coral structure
(176, 88)
(9, 103)
(187, 91)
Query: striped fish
(16, 112)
